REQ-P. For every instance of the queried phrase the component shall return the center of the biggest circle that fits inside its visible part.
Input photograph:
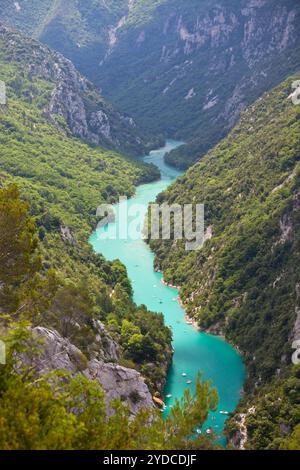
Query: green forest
(183, 70)
(243, 282)
(38, 412)
(174, 349)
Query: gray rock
(75, 106)
(66, 235)
(121, 383)
(103, 342)
(117, 382)
(284, 429)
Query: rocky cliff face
(56, 352)
(185, 69)
(202, 65)
(74, 100)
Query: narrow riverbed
(194, 351)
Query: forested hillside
(85, 365)
(52, 395)
(65, 180)
(185, 69)
(71, 97)
(244, 282)
(82, 359)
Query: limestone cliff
(74, 104)
(58, 353)
(182, 68)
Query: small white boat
(184, 374)
(189, 382)
(224, 412)
(169, 395)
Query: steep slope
(73, 98)
(86, 299)
(244, 282)
(185, 69)
(82, 360)
(197, 65)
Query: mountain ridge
(64, 180)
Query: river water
(194, 351)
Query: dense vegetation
(41, 417)
(244, 282)
(196, 65)
(77, 28)
(51, 185)
(273, 422)
(58, 410)
(189, 80)
(64, 181)
(182, 69)
(30, 16)
(86, 114)
(79, 18)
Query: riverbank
(194, 351)
(215, 330)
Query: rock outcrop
(66, 235)
(108, 349)
(56, 352)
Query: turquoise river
(194, 351)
